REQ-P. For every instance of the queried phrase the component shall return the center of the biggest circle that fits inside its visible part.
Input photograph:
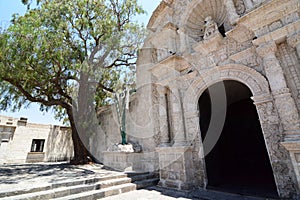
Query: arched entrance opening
(239, 162)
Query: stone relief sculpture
(211, 27)
(240, 7)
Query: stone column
(177, 115)
(163, 117)
(279, 156)
(231, 11)
(183, 39)
(283, 100)
(286, 108)
(294, 41)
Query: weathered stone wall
(108, 133)
(58, 142)
(257, 43)
(137, 129)
(259, 47)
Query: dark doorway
(239, 162)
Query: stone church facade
(250, 46)
(200, 54)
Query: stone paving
(157, 193)
(148, 194)
(25, 176)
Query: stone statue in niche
(211, 27)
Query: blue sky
(9, 7)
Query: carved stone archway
(269, 120)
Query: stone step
(141, 176)
(144, 179)
(98, 194)
(146, 183)
(69, 186)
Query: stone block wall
(175, 164)
(124, 161)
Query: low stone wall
(124, 161)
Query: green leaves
(45, 54)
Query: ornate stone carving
(290, 18)
(265, 107)
(283, 100)
(240, 7)
(288, 112)
(267, 113)
(285, 185)
(231, 12)
(255, 81)
(294, 41)
(266, 49)
(211, 27)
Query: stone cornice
(279, 34)
(157, 12)
(210, 44)
(266, 49)
(272, 11)
(242, 54)
(292, 145)
(169, 69)
(171, 63)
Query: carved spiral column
(283, 100)
(163, 117)
(177, 115)
(231, 11)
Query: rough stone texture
(258, 45)
(16, 139)
(124, 161)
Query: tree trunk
(81, 153)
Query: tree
(66, 47)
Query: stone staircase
(86, 188)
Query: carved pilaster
(279, 156)
(294, 41)
(231, 12)
(283, 100)
(177, 115)
(163, 117)
(183, 39)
